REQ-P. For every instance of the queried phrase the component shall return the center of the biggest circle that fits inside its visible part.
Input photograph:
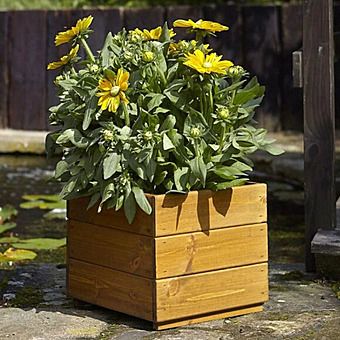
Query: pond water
(21, 175)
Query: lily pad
(50, 198)
(10, 239)
(43, 205)
(7, 226)
(40, 243)
(55, 214)
(17, 255)
(7, 212)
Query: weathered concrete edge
(22, 141)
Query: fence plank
(337, 64)
(318, 120)
(27, 53)
(182, 12)
(108, 20)
(261, 36)
(3, 69)
(143, 17)
(228, 43)
(291, 33)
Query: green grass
(59, 4)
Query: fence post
(319, 130)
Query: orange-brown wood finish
(197, 257)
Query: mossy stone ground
(34, 305)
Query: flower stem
(126, 115)
(87, 50)
(222, 137)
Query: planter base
(207, 317)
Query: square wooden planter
(197, 257)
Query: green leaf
(40, 243)
(91, 108)
(130, 207)
(14, 255)
(7, 212)
(111, 164)
(156, 100)
(41, 204)
(142, 200)
(181, 177)
(7, 226)
(9, 239)
(167, 144)
(60, 169)
(273, 149)
(169, 123)
(234, 183)
(74, 136)
(49, 198)
(199, 169)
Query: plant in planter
(155, 136)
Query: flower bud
(108, 135)
(235, 71)
(58, 79)
(94, 68)
(128, 55)
(223, 113)
(195, 132)
(147, 136)
(148, 56)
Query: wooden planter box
(197, 257)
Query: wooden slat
(261, 36)
(337, 63)
(142, 224)
(228, 43)
(27, 76)
(199, 252)
(182, 12)
(143, 17)
(105, 21)
(112, 248)
(318, 120)
(204, 318)
(223, 289)
(206, 210)
(291, 28)
(108, 288)
(3, 69)
(57, 21)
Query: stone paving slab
(302, 309)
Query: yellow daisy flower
(153, 34)
(200, 24)
(112, 91)
(64, 59)
(210, 63)
(81, 26)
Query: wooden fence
(260, 38)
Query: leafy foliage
(175, 127)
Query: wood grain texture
(27, 70)
(143, 17)
(292, 98)
(319, 124)
(142, 224)
(208, 317)
(108, 288)
(197, 294)
(3, 69)
(112, 248)
(261, 37)
(206, 210)
(228, 43)
(199, 252)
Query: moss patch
(27, 297)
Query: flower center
(207, 64)
(114, 91)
